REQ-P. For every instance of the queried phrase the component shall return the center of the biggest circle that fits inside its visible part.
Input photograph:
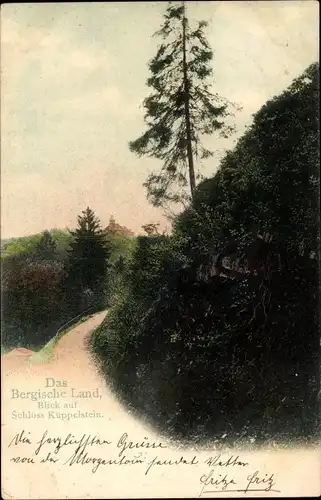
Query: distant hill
(26, 245)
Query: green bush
(200, 351)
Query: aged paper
(143, 355)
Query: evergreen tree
(181, 108)
(46, 248)
(88, 256)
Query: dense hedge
(199, 351)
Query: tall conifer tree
(88, 257)
(182, 108)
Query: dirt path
(71, 366)
(70, 356)
(72, 371)
(79, 392)
(74, 342)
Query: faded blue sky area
(73, 80)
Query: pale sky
(73, 80)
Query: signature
(213, 482)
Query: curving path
(72, 364)
(70, 354)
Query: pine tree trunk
(187, 113)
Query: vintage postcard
(160, 246)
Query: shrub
(202, 345)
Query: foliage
(46, 248)
(122, 249)
(218, 328)
(182, 108)
(151, 229)
(121, 246)
(259, 186)
(62, 239)
(35, 302)
(20, 246)
(87, 262)
(26, 246)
